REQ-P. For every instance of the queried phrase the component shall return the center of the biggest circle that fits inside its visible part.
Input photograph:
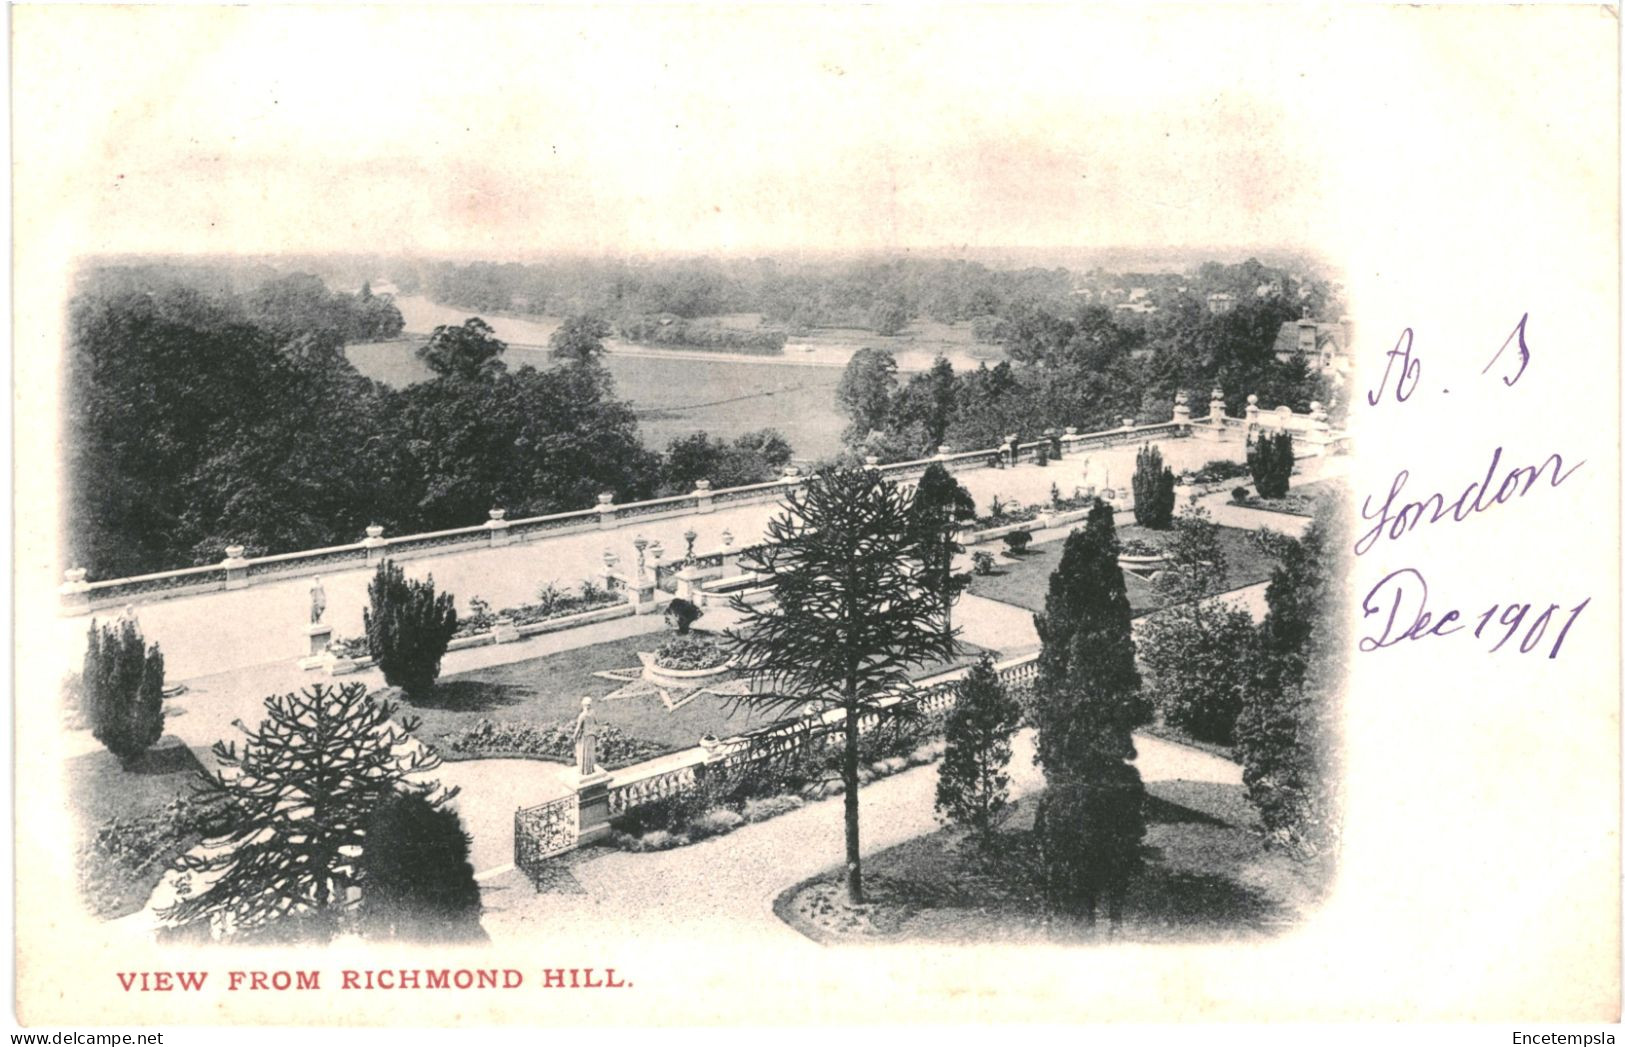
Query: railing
(197, 579)
(750, 492)
(636, 793)
(538, 524)
(930, 697)
(544, 831)
(233, 573)
(413, 543)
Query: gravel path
(729, 883)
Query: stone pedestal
(504, 631)
(318, 635)
(497, 525)
(688, 584)
(375, 543)
(236, 568)
(606, 511)
(704, 499)
(640, 593)
(592, 802)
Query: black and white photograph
(993, 514)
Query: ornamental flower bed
(1006, 516)
(688, 653)
(349, 647)
(552, 741)
(553, 604)
(1139, 547)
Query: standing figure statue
(318, 601)
(586, 738)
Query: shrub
(1017, 541)
(1239, 495)
(982, 562)
(681, 614)
(973, 783)
(1153, 490)
(1271, 543)
(408, 628)
(122, 689)
(1270, 460)
(1054, 496)
(416, 880)
(1218, 470)
(715, 822)
(757, 810)
(689, 653)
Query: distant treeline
(204, 410)
(881, 296)
(1088, 367)
(684, 334)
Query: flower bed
(772, 785)
(686, 653)
(494, 739)
(353, 648)
(1139, 548)
(1219, 470)
(553, 604)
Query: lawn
(156, 820)
(548, 691)
(1025, 581)
(1204, 880)
(674, 397)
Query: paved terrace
(217, 632)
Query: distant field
(674, 397)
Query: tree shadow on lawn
(173, 758)
(471, 696)
(1204, 880)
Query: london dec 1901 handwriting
(1399, 601)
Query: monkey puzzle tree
(297, 799)
(851, 616)
(409, 628)
(941, 504)
(122, 689)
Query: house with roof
(1324, 345)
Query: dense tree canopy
(191, 426)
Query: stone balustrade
(1311, 434)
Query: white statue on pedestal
(586, 739)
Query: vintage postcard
(752, 515)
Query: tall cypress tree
(941, 505)
(972, 783)
(1153, 490)
(123, 684)
(1087, 702)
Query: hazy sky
(501, 132)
